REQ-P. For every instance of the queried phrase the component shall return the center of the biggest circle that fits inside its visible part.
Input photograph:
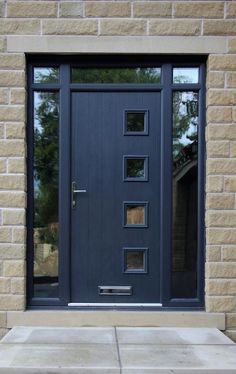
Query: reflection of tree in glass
(135, 168)
(135, 122)
(46, 75)
(46, 156)
(116, 75)
(185, 120)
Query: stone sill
(117, 44)
(115, 318)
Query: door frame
(166, 87)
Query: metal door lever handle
(73, 192)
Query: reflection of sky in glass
(46, 75)
(185, 75)
(186, 97)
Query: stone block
(12, 78)
(231, 80)
(222, 62)
(232, 45)
(19, 27)
(19, 235)
(234, 114)
(220, 201)
(219, 287)
(12, 61)
(213, 253)
(220, 304)
(219, 27)
(2, 44)
(71, 9)
(221, 97)
(221, 270)
(70, 27)
(174, 27)
(14, 268)
(123, 27)
(231, 319)
(35, 9)
(228, 253)
(221, 166)
(5, 285)
(152, 9)
(214, 183)
(2, 8)
(18, 96)
(12, 113)
(215, 79)
(218, 236)
(5, 235)
(18, 286)
(230, 184)
(232, 149)
(219, 114)
(230, 9)
(12, 199)
(13, 217)
(217, 149)
(12, 251)
(12, 302)
(11, 148)
(12, 182)
(107, 9)
(221, 219)
(3, 164)
(15, 130)
(231, 334)
(3, 96)
(16, 165)
(199, 9)
(221, 132)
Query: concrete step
(111, 350)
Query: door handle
(74, 191)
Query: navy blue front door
(115, 219)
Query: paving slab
(85, 358)
(166, 336)
(60, 335)
(109, 350)
(147, 359)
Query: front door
(115, 216)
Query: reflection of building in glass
(185, 222)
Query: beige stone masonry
(13, 217)
(152, 9)
(232, 45)
(12, 251)
(229, 253)
(231, 9)
(220, 201)
(12, 182)
(218, 149)
(226, 27)
(12, 61)
(69, 9)
(107, 9)
(24, 9)
(219, 114)
(221, 236)
(12, 199)
(203, 9)
(213, 253)
(15, 130)
(19, 27)
(215, 79)
(221, 132)
(123, 27)
(174, 27)
(70, 27)
(18, 286)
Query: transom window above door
(115, 181)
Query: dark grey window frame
(167, 63)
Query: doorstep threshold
(99, 318)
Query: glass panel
(134, 260)
(46, 75)
(186, 75)
(135, 214)
(185, 170)
(116, 75)
(135, 122)
(46, 156)
(135, 168)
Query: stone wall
(201, 20)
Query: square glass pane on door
(135, 214)
(135, 168)
(136, 122)
(135, 260)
